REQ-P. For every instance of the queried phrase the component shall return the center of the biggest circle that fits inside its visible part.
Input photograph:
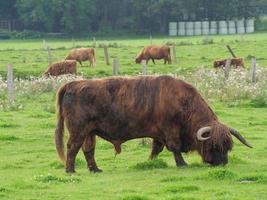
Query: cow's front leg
(179, 159)
(174, 144)
(89, 153)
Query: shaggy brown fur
(154, 52)
(82, 54)
(62, 67)
(119, 109)
(236, 62)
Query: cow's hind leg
(90, 63)
(157, 147)
(74, 144)
(89, 153)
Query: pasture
(29, 168)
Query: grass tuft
(259, 102)
(8, 138)
(134, 197)
(221, 174)
(151, 164)
(8, 125)
(253, 179)
(173, 179)
(57, 165)
(183, 189)
(49, 178)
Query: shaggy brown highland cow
(62, 67)
(82, 54)
(154, 52)
(168, 110)
(236, 62)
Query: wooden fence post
(94, 42)
(174, 54)
(9, 25)
(106, 55)
(115, 67)
(144, 72)
(10, 84)
(227, 68)
(254, 69)
(73, 42)
(231, 51)
(44, 45)
(50, 60)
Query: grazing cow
(117, 109)
(62, 67)
(236, 62)
(82, 54)
(154, 52)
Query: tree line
(137, 16)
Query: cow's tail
(59, 132)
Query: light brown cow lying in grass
(62, 67)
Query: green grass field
(29, 168)
(30, 59)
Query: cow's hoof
(181, 164)
(70, 171)
(96, 170)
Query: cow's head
(138, 60)
(216, 64)
(217, 142)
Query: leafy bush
(30, 88)
(212, 85)
(259, 101)
(26, 35)
(261, 23)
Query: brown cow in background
(154, 52)
(117, 109)
(236, 62)
(62, 67)
(82, 54)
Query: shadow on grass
(253, 179)
(134, 197)
(181, 189)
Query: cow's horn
(201, 131)
(239, 137)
